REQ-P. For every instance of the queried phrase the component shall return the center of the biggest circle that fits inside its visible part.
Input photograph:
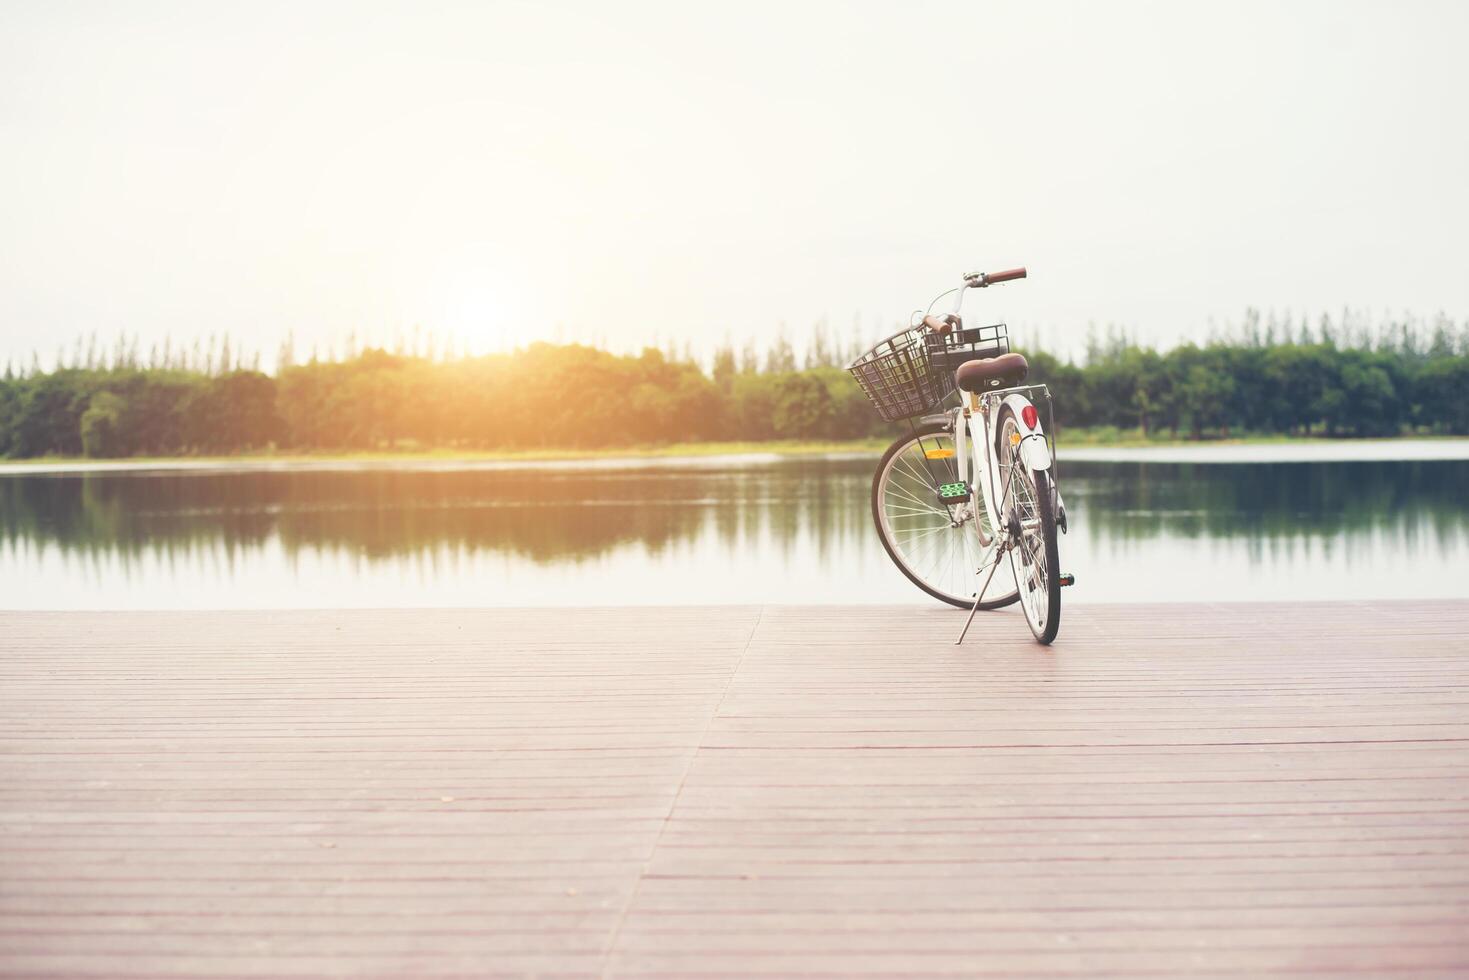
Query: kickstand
(978, 596)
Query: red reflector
(1029, 416)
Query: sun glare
(475, 316)
(474, 299)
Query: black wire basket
(898, 375)
(912, 371)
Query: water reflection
(541, 517)
(790, 531)
(1272, 501)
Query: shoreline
(723, 454)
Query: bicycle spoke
(899, 509)
(916, 500)
(937, 544)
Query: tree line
(1335, 379)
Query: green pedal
(954, 493)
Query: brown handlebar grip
(937, 324)
(1005, 276)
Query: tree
(1205, 393)
(233, 412)
(749, 358)
(1444, 387)
(820, 353)
(520, 399)
(9, 406)
(724, 367)
(781, 358)
(1369, 389)
(802, 408)
(101, 426)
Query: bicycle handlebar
(975, 280)
(982, 279)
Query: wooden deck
(1232, 790)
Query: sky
(627, 173)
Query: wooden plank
(1267, 789)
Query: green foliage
(1443, 390)
(803, 408)
(48, 416)
(102, 433)
(1286, 388)
(577, 397)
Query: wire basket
(912, 371)
(898, 375)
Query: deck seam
(632, 897)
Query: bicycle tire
(1045, 505)
(895, 550)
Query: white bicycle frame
(1035, 454)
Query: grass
(1102, 436)
(1110, 436)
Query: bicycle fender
(1033, 449)
(1034, 452)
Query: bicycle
(991, 445)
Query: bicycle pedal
(1068, 579)
(954, 493)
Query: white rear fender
(1034, 452)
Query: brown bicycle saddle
(991, 372)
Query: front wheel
(947, 550)
(1029, 508)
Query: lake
(1144, 528)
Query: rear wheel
(1029, 507)
(938, 546)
